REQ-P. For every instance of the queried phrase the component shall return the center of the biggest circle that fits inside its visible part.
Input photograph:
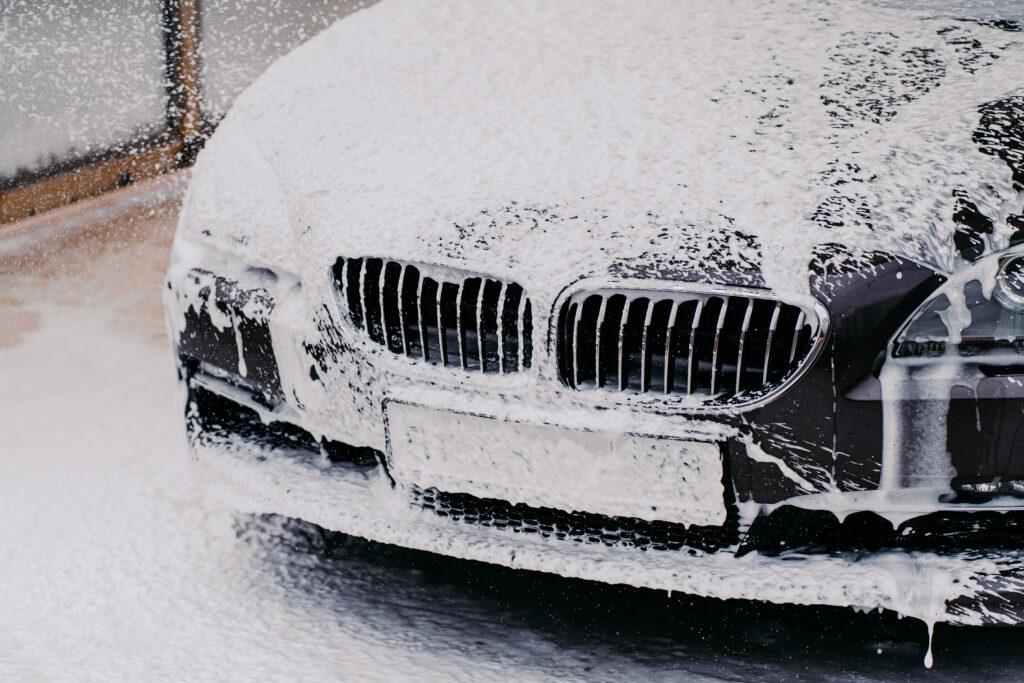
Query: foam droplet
(929, 659)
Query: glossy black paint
(986, 438)
(814, 428)
(204, 342)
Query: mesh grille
(438, 315)
(582, 527)
(718, 346)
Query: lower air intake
(719, 346)
(438, 315)
(582, 527)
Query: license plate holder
(655, 478)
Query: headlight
(223, 328)
(979, 312)
(1010, 284)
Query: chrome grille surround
(727, 346)
(439, 315)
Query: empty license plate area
(606, 473)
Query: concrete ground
(115, 564)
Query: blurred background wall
(95, 94)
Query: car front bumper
(974, 587)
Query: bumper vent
(582, 527)
(438, 315)
(681, 343)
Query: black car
(720, 300)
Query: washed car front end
(574, 302)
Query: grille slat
(657, 335)
(772, 326)
(747, 314)
(467, 315)
(437, 315)
(526, 320)
(796, 335)
(704, 344)
(634, 342)
(341, 282)
(391, 307)
(623, 369)
(450, 324)
(401, 309)
(585, 326)
(714, 352)
(729, 341)
(354, 281)
(489, 303)
(716, 346)
(608, 364)
(442, 338)
(645, 363)
(477, 340)
(380, 303)
(754, 342)
(411, 306)
(460, 329)
(510, 327)
(577, 321)
(598, 322)
(694, 326)
(522, 320)
(502, 300)
(420, 323)
(372, 309)
(431, 323)
(669, 379)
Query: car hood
(553, 141)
